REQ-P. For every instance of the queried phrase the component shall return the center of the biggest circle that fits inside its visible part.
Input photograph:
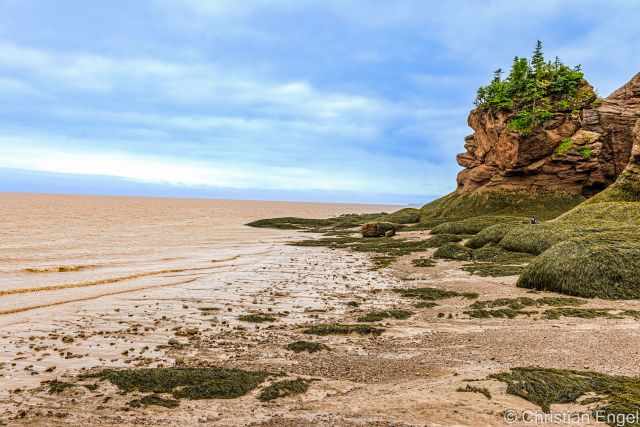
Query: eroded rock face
(579, 152)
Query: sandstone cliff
(579, 152)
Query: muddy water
(78, 264)
(55, 249)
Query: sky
(332, 100)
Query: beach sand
(89, 282)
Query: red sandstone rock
(602, 136)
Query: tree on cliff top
(534, 90)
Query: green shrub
(585, 152)
(532, 88)
(524, 122)
(564, 147)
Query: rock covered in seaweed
(378, 229)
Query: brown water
(56, 248)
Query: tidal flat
(161, 326)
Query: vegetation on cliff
(534, 90)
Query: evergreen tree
(497, 75)
(534, 90)
(537, 59)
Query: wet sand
(192, 288)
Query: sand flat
(185, 310)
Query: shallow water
(56, 248)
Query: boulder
(377, 229)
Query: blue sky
(332, 100)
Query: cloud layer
(357, 96)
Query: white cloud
(188, 83)
(237, 126)
(40, 153)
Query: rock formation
(575, 152)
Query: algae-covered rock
(403, 216)
(603, 265)
(453, 251)
(459, 205)
(184, 383)
(378, 229)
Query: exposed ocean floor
(267, 334)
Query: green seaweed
(57, 387)
(522, 302)
(256, 318)
(283, 388)
(489, 269)
(154, 399)
(308, 346)
(473, 389)
(453, 251)
(423, 262)
(188, 383)
(500, 313)
(432, 294)
(616, 396)
(343, 329)
(376, 316)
